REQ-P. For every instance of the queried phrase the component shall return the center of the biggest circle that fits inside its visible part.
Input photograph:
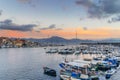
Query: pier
(101, 43)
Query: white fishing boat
(52, 50)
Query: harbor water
(28, 63)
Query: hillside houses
(16, 43)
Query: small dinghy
(49, 71)
(109, 73)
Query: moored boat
(109, 73)
(66, 51)
(77, 70)
(52, 50)
(49, 71)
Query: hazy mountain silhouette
(59, 40)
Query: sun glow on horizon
(98, 33)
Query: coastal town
(6, 42)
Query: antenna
(76, 34)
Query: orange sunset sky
(90, 19)
(68, 33)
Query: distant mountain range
(60, 40)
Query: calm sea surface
(28, 63)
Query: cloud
(9, 25)
(53, 26)
(58, 29)
(85, 28)
(114, 19)
(100, 8)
